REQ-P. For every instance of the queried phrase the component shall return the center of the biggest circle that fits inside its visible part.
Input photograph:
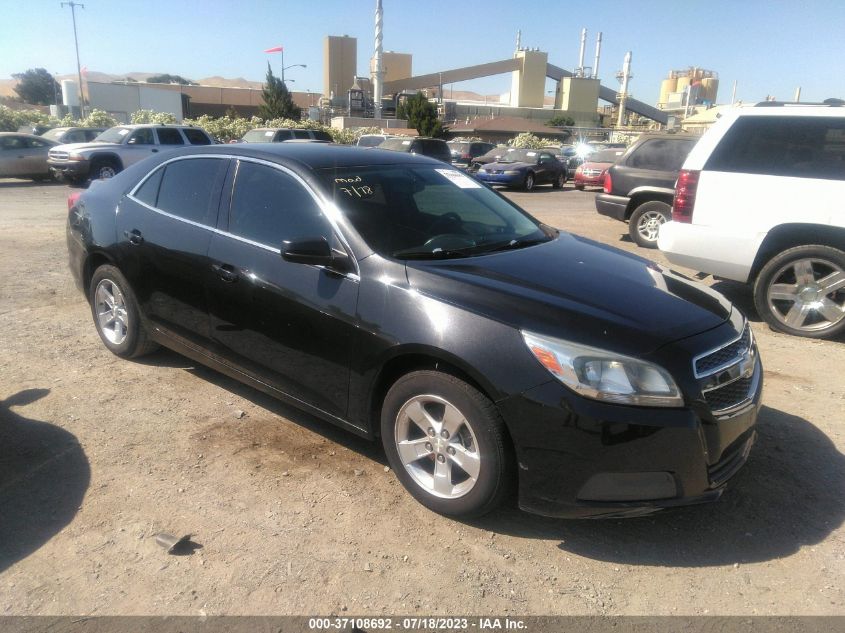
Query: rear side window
(271, 207)
(806, 147)
(169, 136)
(661, 154)
(282, 135)
(196, 137)
(187, 188)
(301, 134)
(320, 135)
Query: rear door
(164, 227)
(291, 326)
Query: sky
(768, 47)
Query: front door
(292, 326)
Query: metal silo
(709, 89)
(667, 86)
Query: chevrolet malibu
(398, 298)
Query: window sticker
(530, 153)
(458, 179)
(123, 132)
(406, 142)
(268, 133)
(354, 187)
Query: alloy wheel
(437, 446)
(808, 294)
(649, 223)
(112, 315)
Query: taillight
(72, 198)
(466, 157)
(607, 184)
(685, 190)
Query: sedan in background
(24, 156)
(73, 134)
(400, 299)
(525, 168)
(591, 172)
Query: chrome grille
(729, 395)
(57, 154)
(723, 356)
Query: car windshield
(520, 156)
(426, 212)
(397, 144)
(605, 156)
(460, 148)
(258, 136)
(370, 141)
(113, 134)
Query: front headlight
(603, 375)
(75, 156)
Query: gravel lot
(295, 516)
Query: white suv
(761, 200)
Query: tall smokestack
(623, 94)
(580, 70)
(598, 55)
(378, 72)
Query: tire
(801, 291)
(475, 436)
(528, 183)
(579, 187)
(644, 225)
(115, 313)
(104, 168)
(559, 181)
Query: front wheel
(116, 316)
(528, 183)
(644, 225)
(447, 444)
(801, 291)
(559, 181)
(104, 168)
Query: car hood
(575, 288)
(76, 147)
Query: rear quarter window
(196, 137)
(804, 147)
(169, 136)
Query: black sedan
(524, 168)
(398, 298)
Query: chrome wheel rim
(529, 182)
(649, 225)
(112, 317)
(808, 294)
(437, 446)
(107, 171)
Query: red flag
(275, 49)
(84, 70)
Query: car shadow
(44, 475)
(367, 448)
(740, 295)
(788, 496)
(27, 184)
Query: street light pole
(73, 6)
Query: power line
(73, 6)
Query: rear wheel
(801, 291)
(644, 225)
(116, 316)
(528, 183)
(447, 444)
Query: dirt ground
(293, 516)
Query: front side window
(188, 186)
(143, 136)
(427, 212)
(169, 136)
(271, 207)
(807, 147)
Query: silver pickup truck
(118, 147)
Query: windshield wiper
(512, 244)
(435, 254)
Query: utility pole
(73, 6)
(624, 76)
(378, 70)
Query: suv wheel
(528, 184)
(801, 291)
(115, 313)
(104, 168)
(644, 225)
(446, 443)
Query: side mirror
(317, 252)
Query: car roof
(277, 129)
(23, 134)
(309, 156)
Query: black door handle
(225, 272)
(134, 236)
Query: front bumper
(612, 206)
(509, 180)
(71, 169)
(581, 458)
(588, 181)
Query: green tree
(278, 104)
(561, 120)
(36, 85)
(170, 79)
(421, 115)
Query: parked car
(373, 140)
(399, 298)
(639, 187)
(759, 200)
(24, 156)
(524, 168)
(490, 157)
(464, 151)
(73, 134)
(591, 172)
(281, 134)
(433, 147)
(119, 147)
